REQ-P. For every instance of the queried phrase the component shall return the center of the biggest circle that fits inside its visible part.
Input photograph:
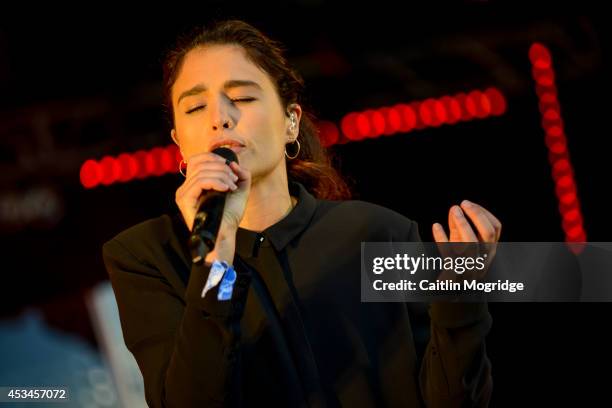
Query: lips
(232, 144)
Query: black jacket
(295, 332)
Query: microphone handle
(206, 223)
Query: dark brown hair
(312, 167)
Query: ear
(294, 115)
(174, 138)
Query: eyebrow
(232, 83)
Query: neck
(269, 202)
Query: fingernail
(466, 203)
(458, 212)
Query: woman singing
(293, 331)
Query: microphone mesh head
(226, 153)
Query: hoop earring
(296, 153)
(181, 167)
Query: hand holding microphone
(209, 183)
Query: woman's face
(222, 98)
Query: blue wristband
(227, 284)
(224, 275)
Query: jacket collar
(279, 234)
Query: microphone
(207, 221)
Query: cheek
(265, 129)
(267, 142)
(190, 137)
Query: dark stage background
(86, 84)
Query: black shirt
(295, 332)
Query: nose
(220, 117)
(224, 123)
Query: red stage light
(328, 133)
(545, 78)
(150, 165)
(572, 215)
(129, 167)
(471, 102)
(570, 224)
(548, 97)
(554, 131)
(562, 190)
(485, 105)
(576, 234)
(560, 167)
(168, 164)
(565, 181)
(545, 106)
(348, 124)
(498, 102)
(364, 128)
(176, 153)
(393, 120)
(542, 63)
(452, 109)
(156, 155)
(429, 113)
(141, 159)
(408, 117)
(568, 198)
(425, 115)
(461, 99)
(551, 114)
(440, 111)
(539, 52)
(90, 174)
(377, 123)
(111, 170)
(559, 147)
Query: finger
(496, 223)
(190, 193)
(206, 156)
(195, 161)
(493, 220)
(243, 174)
(215, 179)
(438, 233)
(216, 169)
(462, 227)
(205, 167)
(210, 183)
(486, 231)
(224, 174)
(454, 233)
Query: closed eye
(197, 108)
(247, 99)
(234, 100)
